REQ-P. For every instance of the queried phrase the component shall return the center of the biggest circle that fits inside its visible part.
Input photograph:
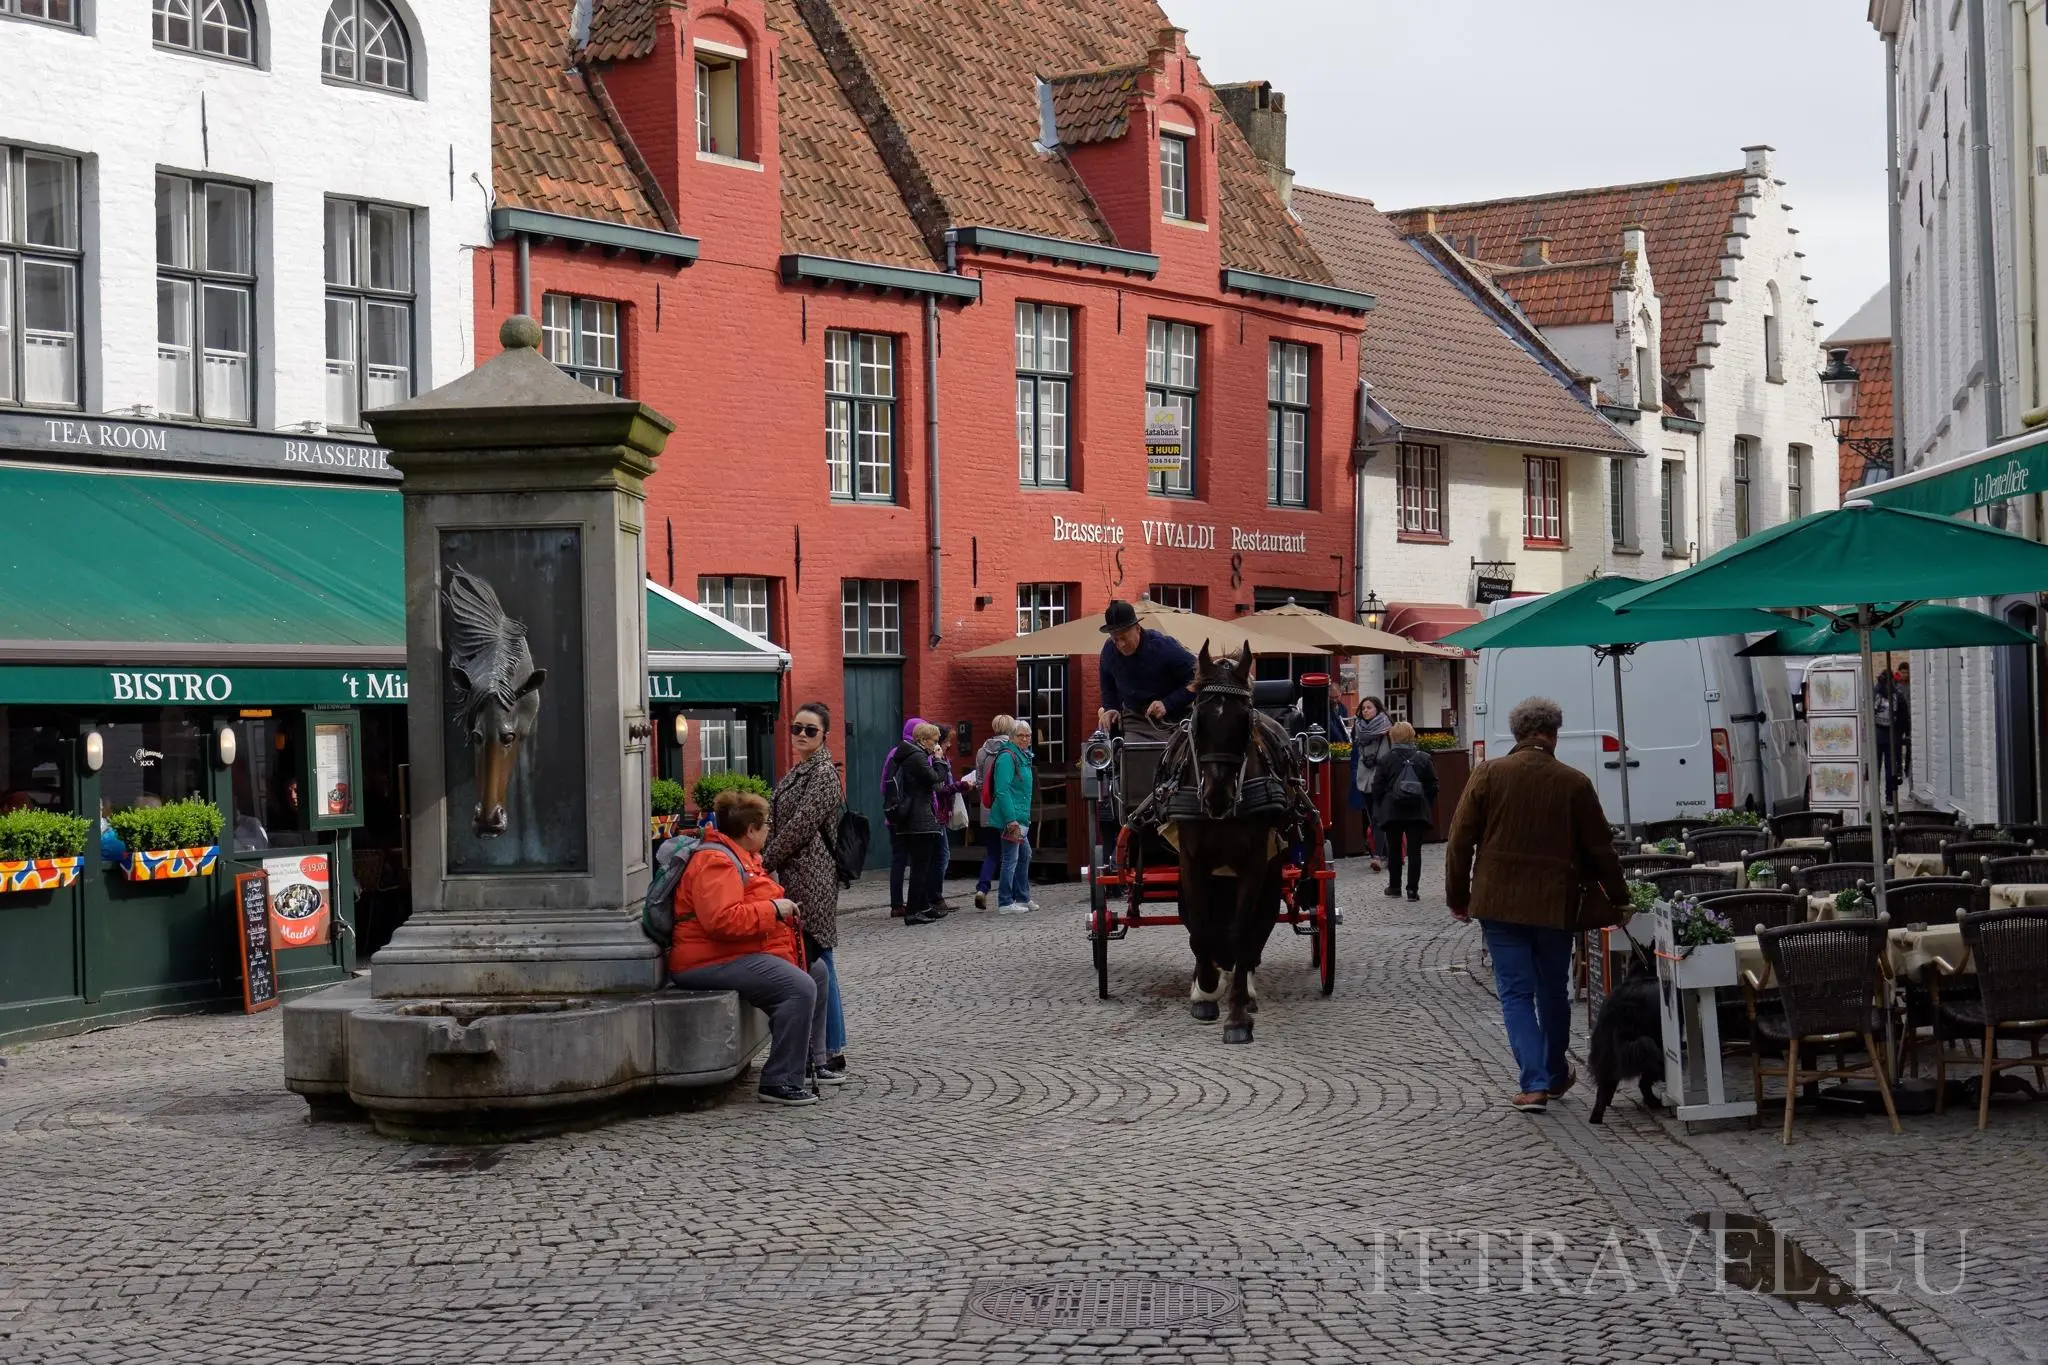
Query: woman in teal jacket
(1011, 779)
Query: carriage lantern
(1315, 745)
(1098, 753)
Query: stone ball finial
(519, 332)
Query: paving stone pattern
(163, 1199)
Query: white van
(1707, 730)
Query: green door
(874, 725)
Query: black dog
(1628, 1038)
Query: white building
(228, 219)
(1703, 279)
(1968, 290)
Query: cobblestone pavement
(1351, 1187)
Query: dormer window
(719, 71)
(1173, 175)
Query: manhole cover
(1107, 1303)
(453, 1160)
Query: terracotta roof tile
(551, 148)
(959, 77)
(1686, 225)
(622, 29)
(1873, 419)
(1436, 360)
(1562, 295)
(837, 195)
(1093, 106)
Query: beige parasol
(1329, 634)
(1084, 636)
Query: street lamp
(1372, 611)
(1838, 388)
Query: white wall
(129, 109)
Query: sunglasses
(802, 731)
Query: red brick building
(908, 275)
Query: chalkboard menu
(252, 930)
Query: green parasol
(1863, 554)
(1579, 615)
(1927, 626)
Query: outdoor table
(1741, 871)
(1916, 865)
(1809, 841)
(1908, 952)
(2013, 895)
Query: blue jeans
(991, 858)
(835, 1018)
(1532, 970)
(1015, 886)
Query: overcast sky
(1412, 102)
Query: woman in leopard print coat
(803, 818)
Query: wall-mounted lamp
(1372, 612)
(224, 745)
(682, 729)
(95, 752)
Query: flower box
(1707, 965)
(39, 874)
(664, 826)
(170, 863)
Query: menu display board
(334, 763)
(300, 903)
(252, 932)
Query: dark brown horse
(496, 691)
(1232, 851)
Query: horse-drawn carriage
(1239, 791)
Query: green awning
(155, 590)
(2010, 469)
(1930, 625)
(1579, 615)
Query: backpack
(898, 800)
(849, 845)
(985, 774)
(658, 911)
(1881, 709)
(1408, 788)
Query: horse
(1232, 850)
(496, 692)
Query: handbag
(958, 818)
(1594, 911)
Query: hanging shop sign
(56, 686)
(1182, 535)
(134, 441)
(1165, 447)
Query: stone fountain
(521, 996)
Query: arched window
(363, 43)
(218, 28)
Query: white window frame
(1742, 468)
(871, 618)
(1176, 156)
(57, 258)
(1173, 379)
(1045, 395)
(1798, 464)
(1621, 502)
(1419, 490)
(358, 37)
(719, 74)
(195, 360)
(1543, 501)
(1041, 692)
(221, 29)
(741, 599)
(371, 298)
(1287, 424)
(1179, 596)
(586, 339)
(860, 415)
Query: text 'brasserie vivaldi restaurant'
(202, 658)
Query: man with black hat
(1147, 676)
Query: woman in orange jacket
(736, 931)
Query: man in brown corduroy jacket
(1541, 844)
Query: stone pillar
(526, 623)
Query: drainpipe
(931, 446)
(1895, 240)
(525, 254)
(1359, 454)
(1987, 262)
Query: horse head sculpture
(496, 693)
(1221, 730)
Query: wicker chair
(1732, 845)
(1786, 862)
(2037, 835)
(1637, 865)
(1934, 900)
(1690, 881)
(1746, 910)
(1805, 824)
(1920, 839)
(2031, 867)
(1656, 831)
(1825, 877)
(1966, 857)
(2010, 950)
(1829, 986)
(1850, 844)
(1938, 819)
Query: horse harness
(1278, 793)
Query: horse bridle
(1243, 760)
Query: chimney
(1756, 161)
(1536, 251)
(1428, 224)
(1632, 239)
(1260, 112)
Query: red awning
(1429, 622)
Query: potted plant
(41, 850)
(665, 801)
(176, 839)
(1736, 819)
(1763, 875)
(706, 788)
(1707, 945)
(1853, 902)
(1669, 846)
